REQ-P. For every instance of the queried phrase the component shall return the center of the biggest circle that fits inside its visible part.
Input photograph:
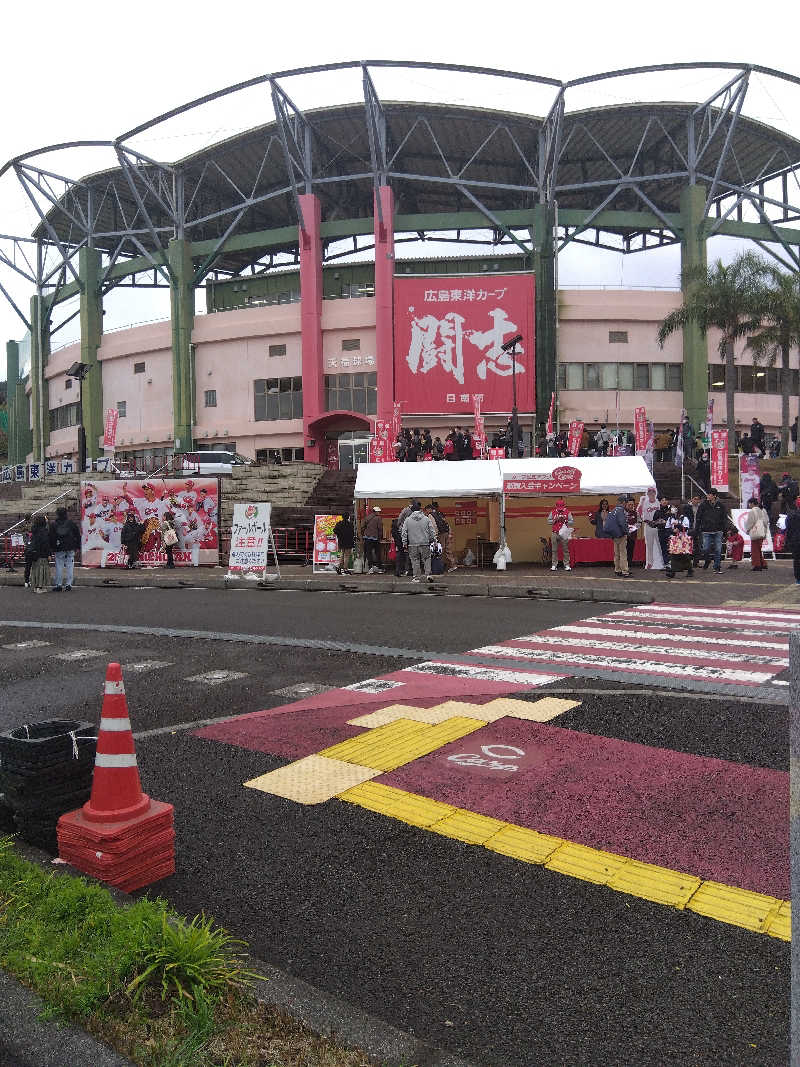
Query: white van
(212, 462)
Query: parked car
(212, 462)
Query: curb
(27, 1041)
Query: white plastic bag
(565, 532)
(499, 559)
(469, 558)
(358, 565)
(507, 553)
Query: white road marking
(639, 666)
(81, 653)
(216, 677)
(664, 650)
(145, 665)
(723, 613)
(658, 635)
(484, 674)
(373, 685)
(20, 645)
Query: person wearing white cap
(373, 535)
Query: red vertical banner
(397, 420)
(379, 447)
(110, 428)
(575, 437)
(550, 413)
(332, 455)
(640, 429)
(719, 460)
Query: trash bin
(45, 770)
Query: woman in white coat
(647, 508)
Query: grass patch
(162, 990)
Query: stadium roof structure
(610, 175)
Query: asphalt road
(504, 963)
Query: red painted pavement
(718, 820)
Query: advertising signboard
(560, 480)
(193, 502)
(575, 437)
(640, 429)
(250, 539)
(719, 460)
(326, 547)
(110, 428)
(448, 340)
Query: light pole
(510, 347)
(79, 371)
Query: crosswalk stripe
(684, 636)
(766, 617)
(636, 665)
(675, 653)
(484, 674)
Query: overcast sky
(91, 70)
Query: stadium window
(122, 408)
(211, 398)
(574, 375)
(746, 380)
(658, 376)
(277, 350)
(609, 373)
(759, 379)
(641, 376)
(138, 368)
(591, 373)
(773, 379)
(562, 376)
(352, 392)
(625, 375)
(276, 399)
(351, 344)
(674, 377)
(68, 383)
(64, 417)
(617, 337)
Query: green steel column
(544, 267)
(695, 345)
(182, 310)
(40, 349)
(91, 315)
(12, 377)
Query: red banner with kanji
(640, 429)
(380, 450)
(448, 339)
(110, 428)
(575, 437)
(719, 460)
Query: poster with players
(250, 539)
(194, 503)
(448, 343)
(326, 546)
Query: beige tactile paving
(532, 710)
(312, 780)
(459, 709)
(402, 711)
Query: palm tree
(725, 298)
(778, 330)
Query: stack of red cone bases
(120, 836)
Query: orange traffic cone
(116, 790)
(120, 835)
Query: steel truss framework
(609, 177)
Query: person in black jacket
(131, 537)
(40, 549)
(65, 540)
(711, 523)
(345, 534)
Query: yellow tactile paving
(655, 883)
(408, 807)
(406, 711)
(468, 826)
(391, 746)
(527, 845)
(781, 925)
(532, 710)
(589, 864)
(312, 780)
(739, 907)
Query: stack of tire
(45, 770)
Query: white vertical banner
(251, 539)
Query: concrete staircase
(287, 487)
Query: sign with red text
(465, 512)
(560, 480)
(379, 448)
(326, 544)
(719, 460)
(110, 428)
(640, 430)
(497, 453)
(250, 534)
(193, 502)
(448, 340)
(575, 437)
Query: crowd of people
(420, 542)
(417, 445)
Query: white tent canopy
(465, 478)
(599, 474)
(432, 480)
